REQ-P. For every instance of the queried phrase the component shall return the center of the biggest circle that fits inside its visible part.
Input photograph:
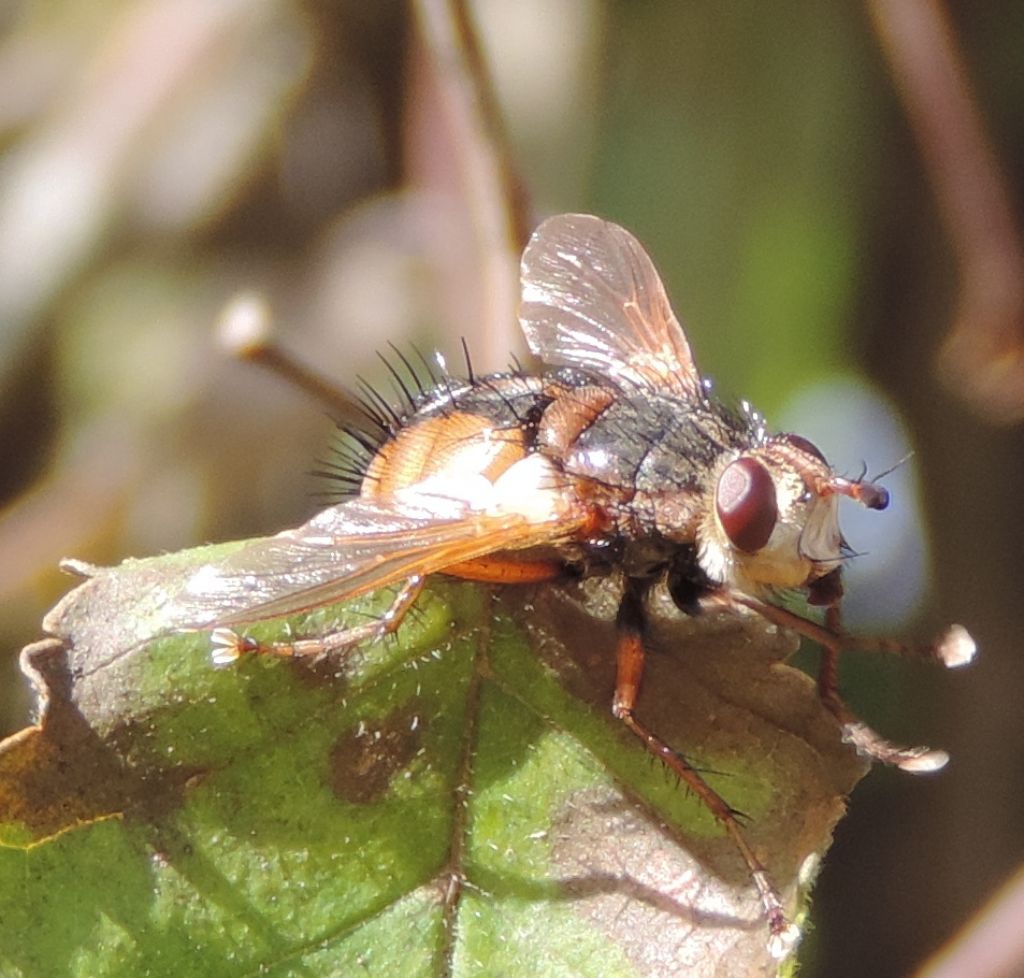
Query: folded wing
(348, 550)
(592, 298)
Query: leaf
(456, 802)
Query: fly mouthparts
(866, 493)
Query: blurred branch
(991, 945)
(492, 192)
(982, 358)
(246, 332)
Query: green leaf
(456, 801)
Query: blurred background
(848, 266)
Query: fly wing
(592, 298)
(348, 550)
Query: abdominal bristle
(358, 444)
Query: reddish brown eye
(746, 504)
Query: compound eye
(745, 500)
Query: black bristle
(426, 363)
(368, 444)
(380, 402)
(408, 366)
(399, 382)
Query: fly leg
(954, 648)
(630, 622)
(228, 645)
(856, 731)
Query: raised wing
(348, 550)
(592, 298)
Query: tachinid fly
(617, 459)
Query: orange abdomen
(461, 447)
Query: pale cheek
(775, 570)
(778, 564)
(821, 538)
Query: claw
(925, 762)
(783, 942)
(914, 760)
(228, 646)
(956, 648)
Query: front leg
(953, 649)
(631, 622)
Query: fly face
(774, 517)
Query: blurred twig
(991, 945)
(492, 192)
(983, 357)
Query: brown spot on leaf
(365, 759)
(62, 773)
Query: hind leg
(228, 645)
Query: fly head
(771, 517)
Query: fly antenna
(892, 468)
(866, 493)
